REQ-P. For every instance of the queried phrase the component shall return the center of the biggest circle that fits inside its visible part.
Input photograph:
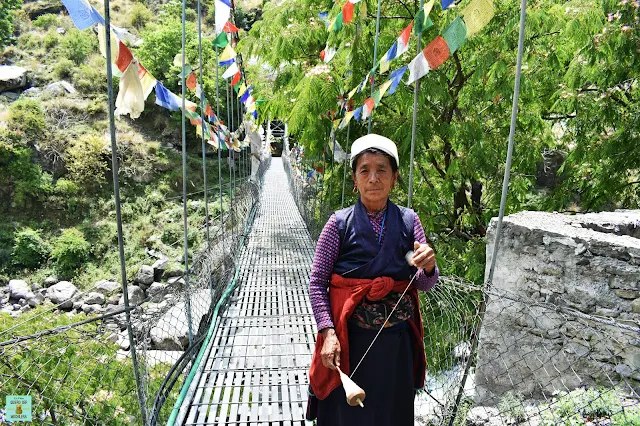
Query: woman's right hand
(330, 349)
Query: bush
(26, 117)
(29, 249)
(51, 40)
(70, 251)
(63, 69)
(88, 79)
(46, 21)
(85, 162)
(139, 15)
(20, 176)
(77, 45)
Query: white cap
(374, 141)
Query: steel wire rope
(202, 108)
(503, 202)
(414, 121)
(116, 193)
(184, 174)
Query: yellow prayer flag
(102, 40)
(148, 83)
(384, 64)
(227, 54)
(477, 14)
(336, 123)
(353, 92)
(243, 88)
(428, 7)
(347, 117)
(251, 107)
(384, 87)
(177, 60)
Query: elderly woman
(362, 266)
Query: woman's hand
(330, 349)
(423, 257)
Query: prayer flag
(255, 115)
(245, 96)
(327, 54)
(403, 40)
(353, 92)
(418, 67)
(395, 78)
(236, 78)
(242, 89)
(227, 56)
(336, 25)
(384, 64)
(130, 98)
(222, 12)
(446, 3)
(192, 81)
(336, 123)
(166, 98)
(324, 16)
(194, 117)
(82, 13)
(209, 111)
(436, 52)
(230, 28)
(147, 81)
(368, 106)
(102, 41)
(392, 53)
(231, 71)
(221, 40)
(455, 34)
(188, 105)
(347, 117)
(357, 113)
(384, 87)
(124, 57)
(477, 14)
(347, 12)
(422, 20)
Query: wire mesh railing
(536, 363)
(78, 370)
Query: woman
(361, 268)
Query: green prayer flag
(422, 23)
(187, 71)
(221, 41)
(337, 24)
(455, 34)
(376, 97)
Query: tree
(580, 74)
(6, 20)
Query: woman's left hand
(423, 257)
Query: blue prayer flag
(229, 62)
(82, 13)
(226, 2)
(393, 51)
(447, 3)
(255, 114)
(323, 15)
(396, 77)
(357, 113)
(166, 98)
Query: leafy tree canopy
(6, 20)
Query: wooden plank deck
(256, 371)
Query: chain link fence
(81, 371)
(555, 366)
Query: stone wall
(564, 307)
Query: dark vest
(360, 254)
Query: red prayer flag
(347, 12)
(192, 81)
(436, 52)
(236, 78)
(230, 28)
(209, 111)
(124, 57)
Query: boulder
(136, 295)
(107, 287)
(113, 300)
(12, 77)
(62, 294)
(145, 275)
(94, 298)
(11, 96)
(159, 266)
(36, 300)
(51, 280)
(157, 291)
(32, 92)
(19, 289)
(59, 88)
(91, 308)
(171, 333)
(40, 7)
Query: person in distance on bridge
(362, 265)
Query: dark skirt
(386, 375)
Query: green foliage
(77, 45)
(139, 16)
(70, 251)
(46, 21)
(6, 20)
(90, 79)
(512, 406)
(26, 117)
(21, 179)
(582, 405)
(86, 161)
(63, 68)
(50, 40)
(29, 249)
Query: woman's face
(374, 179)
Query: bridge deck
(256, 371)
